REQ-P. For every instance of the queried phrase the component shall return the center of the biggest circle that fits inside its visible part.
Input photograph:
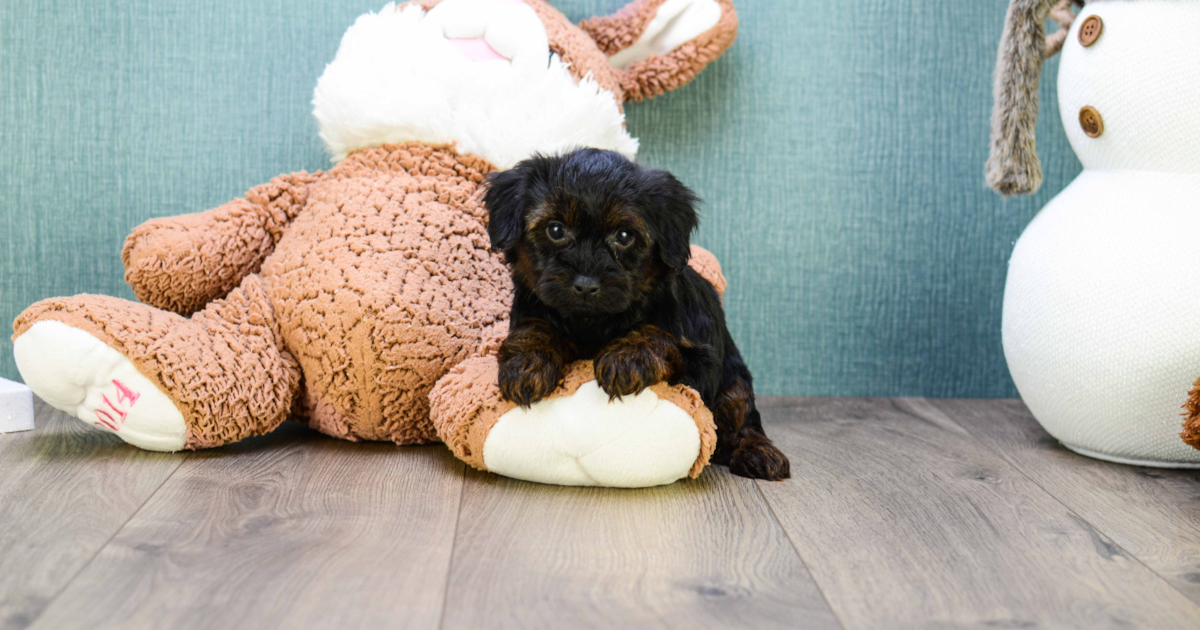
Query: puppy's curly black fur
(599, 251)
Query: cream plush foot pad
(77, 373)
(582, 439)
(576, 437)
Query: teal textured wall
(839, 147)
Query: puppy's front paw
(529, 377)
(623, 369)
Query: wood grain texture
(700, 554)
(907, 521)
(1152, 513)
(908, 513)
(65, 490)
(289, 530)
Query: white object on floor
(77, 373)
(16, 407)
(584, 440)
(1101, 331)
(1148, 463)
(1101, 322)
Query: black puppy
(599, 251)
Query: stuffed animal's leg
(158, 380)
(182, 263)
(576, 436)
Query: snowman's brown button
(1090, 120)
(1090, 30)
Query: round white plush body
(1101, 323)
(584, 440)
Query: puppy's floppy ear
(672, 218)
(506, 198)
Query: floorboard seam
(795, 548)
(69, 582)
(1054, 496)
(462, 493)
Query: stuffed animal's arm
(182, 263)
(708, 267)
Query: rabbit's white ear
(658, 45)
(673, 25)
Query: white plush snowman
(1101, 325)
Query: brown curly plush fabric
(657, 74)
(341, 296)
(182, 263)
(708, 267)
(386, 282)
(225, 368)
(616, 32)
(1191, 417)
(574, 46)
(378, 280)
(378, 284)
(467, 404)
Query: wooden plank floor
(902, 513)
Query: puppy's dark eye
(623, 238)
(556, 232)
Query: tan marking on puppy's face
(537, 217)
(557, 208)
(617, 218)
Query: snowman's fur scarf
(1013, 166)
(393, 81)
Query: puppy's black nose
(586, 286)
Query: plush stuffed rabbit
(342, 296)
(1101, 330)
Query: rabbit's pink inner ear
(476, 49)
(425, 5)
